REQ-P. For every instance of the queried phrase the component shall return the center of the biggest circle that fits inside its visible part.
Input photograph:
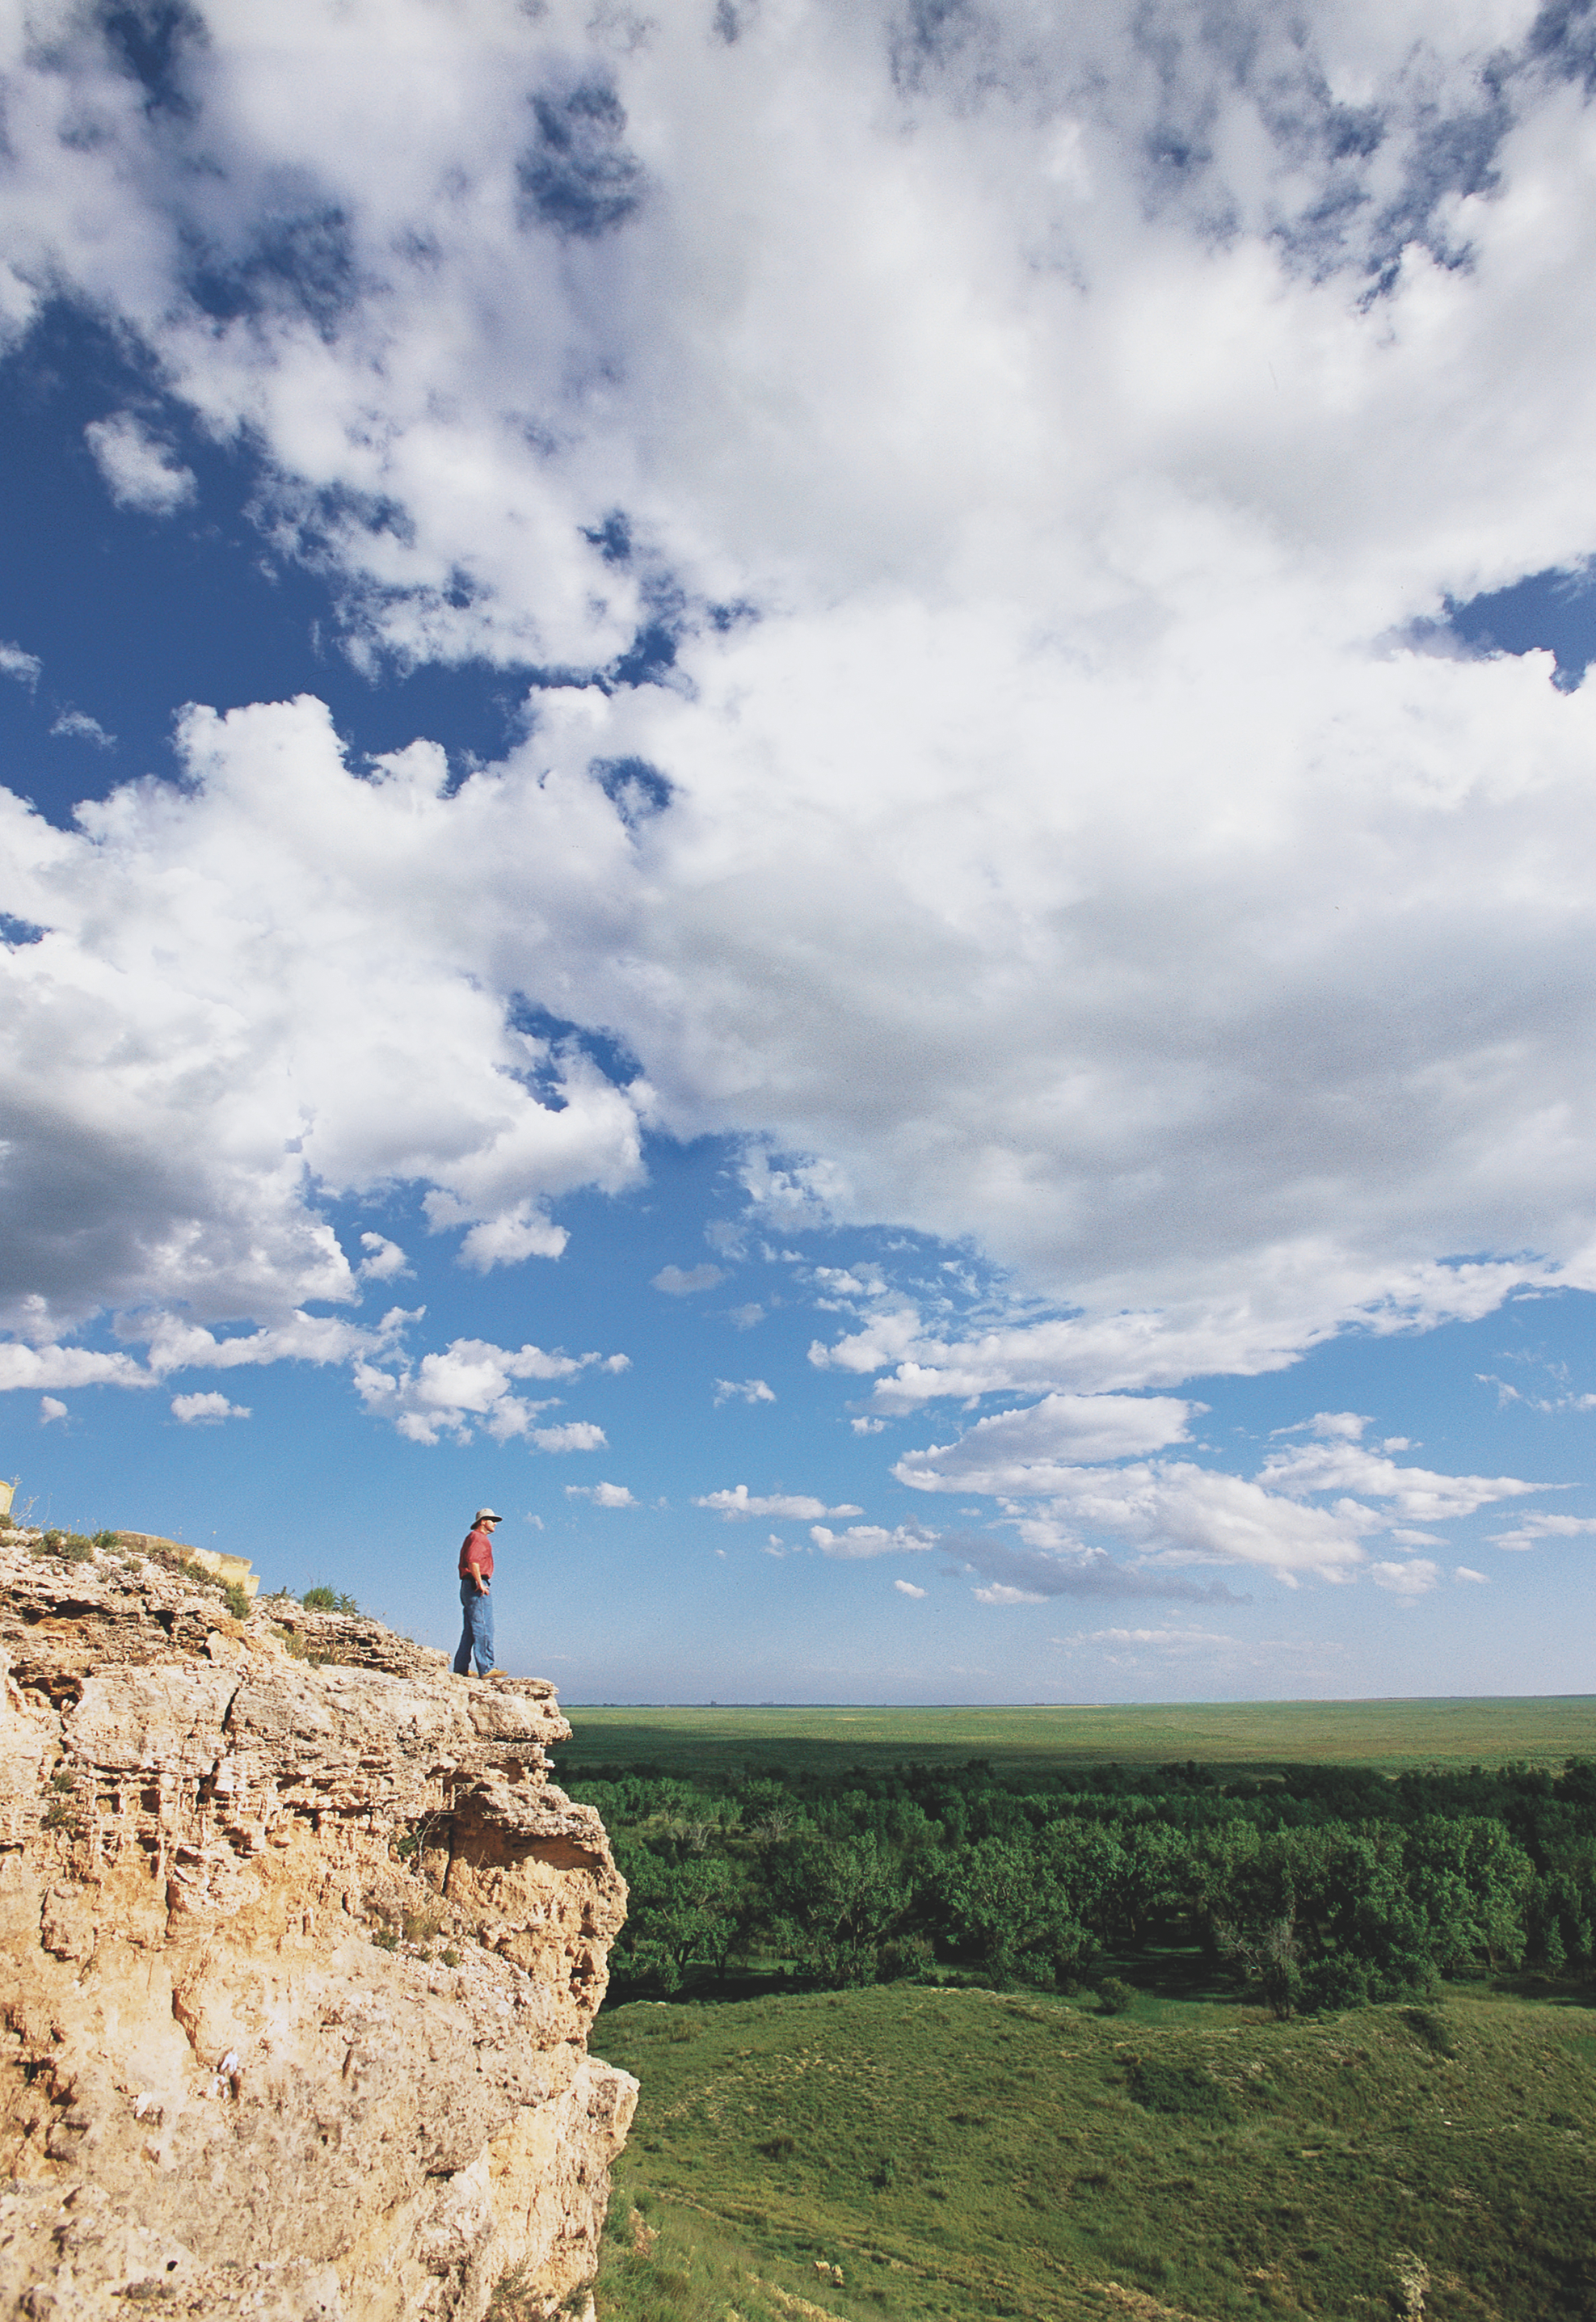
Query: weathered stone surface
(238, 2075)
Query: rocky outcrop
(299, 1950)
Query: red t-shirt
(476, 1554)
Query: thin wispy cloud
(77, 725)
(1016, 1575)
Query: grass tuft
(1182, 2093)
(1432, 2031)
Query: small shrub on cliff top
(322, 1599)
(71, 1547)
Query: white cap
(485, 1516)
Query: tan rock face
(238, 2074)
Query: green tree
(834, 1904)
(1003, 1904)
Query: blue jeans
(477, 1636)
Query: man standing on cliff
(476, 1577)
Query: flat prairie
(1538, 1730)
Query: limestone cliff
(299, 1949)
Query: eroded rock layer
(299, 1950)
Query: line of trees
(1321, 1888)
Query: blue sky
(812, 793)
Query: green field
(965, 2154)
(1392, 1735)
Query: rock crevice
(299, 1952)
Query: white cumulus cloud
(384, 1260)
(871, 1539)
(679, 1282)
(750, 1390)
(1414, 1579)
(907, 1588)
(1004, 874)
(1173, 1512)
(1037, 1449)
(54, 1366)
(602, 1496)
(1537, 1528)
(333, 1035)
(1343, 1465)
(470, 1383)
(141, 471)
(573, 1435)
(738, 1503)
(207, 1409)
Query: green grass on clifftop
(966, 2154)
(1227, 1736)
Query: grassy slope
(963, 2154)
(1228, 1735)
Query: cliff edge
(299, 1950)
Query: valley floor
(967, 2154)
